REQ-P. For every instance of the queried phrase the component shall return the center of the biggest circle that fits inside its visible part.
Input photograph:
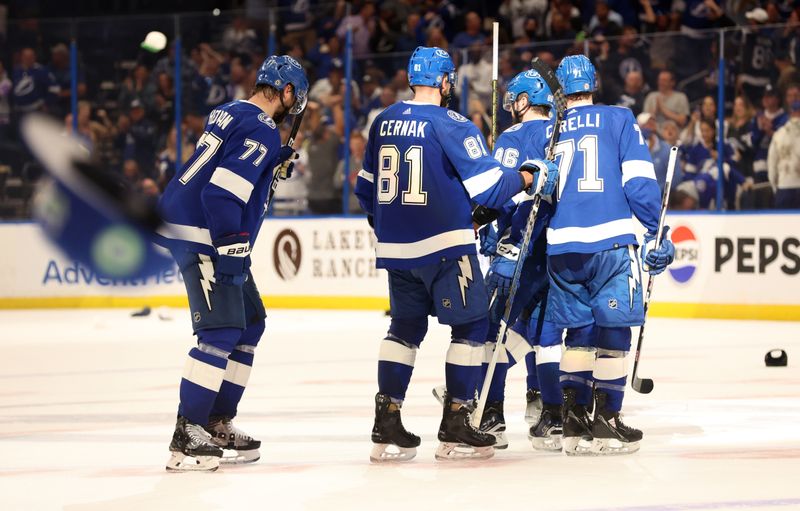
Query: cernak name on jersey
(396, 127)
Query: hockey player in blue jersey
(530, 101)
(424, 166)
(213, 208)
(606, 176)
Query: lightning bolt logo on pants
(465, 277)
(206, 277)
(634, 278)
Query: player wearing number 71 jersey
(606, 175)
(424, 166)
(213, 208)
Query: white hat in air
(154, 42)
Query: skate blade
(439, 393)
(501, 440)
(577, 446)
(613, 447)
(239, 457)
(179, 462)
(390, 453)
(547, 443)
(451, 451)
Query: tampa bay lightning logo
(514, 128)
(293, 62)
(456, 116)
(441, 53)
(532, 74)
(266, 120)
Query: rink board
(727, 266)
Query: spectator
(150, 190)
(239, 37)
(60, 69)
(605, 21)
(476, 70)
(522, 12)
(706, 111)
(5, 108)
(164, 104)
(436, 38)
(138, 86)
(291, 197)
(737, 133)
(788, 73)
(357, 145)
(662, 45)
(35, 88)
(239, 83)
(166, 164)
(388, 98)
(140, 144)
(400, 84)
(630, 56)
(765, 124)
(783, 161)
(633, 93)
(670, 133)
(701, 165)
(363, 25)
(324, 197)
(472, 33)
(659, 150)
(208, 90)
(666, 103)
(89, 131)
(331, 89)
(756, 55)
(696, 17)
(325, 55)
(130, 171)
(371, 91)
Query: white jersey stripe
(591, 234)
(637, 168)
(232, 182)
(366, 175)
(186, 233)
(427, 246)
(478, 184)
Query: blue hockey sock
(462, 369)
(202, 378)
(532, 380)
(237, 372)
(395, 365)
(498, 385)
(576, 373)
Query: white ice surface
(88, 400)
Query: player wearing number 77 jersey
(606, 175)
(213, 208)
(424, 166)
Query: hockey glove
(285, 166)
(655, 261)
(489, 237)
(232, 259)
(546, 170)
(501, 271)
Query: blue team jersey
(605, 176)
(222, 188)
(424, 165)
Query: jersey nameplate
(403, 128)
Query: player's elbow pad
(482, 215)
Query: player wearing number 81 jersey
(606, 176)
(424, 166)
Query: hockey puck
(142, 313)
(776, 358)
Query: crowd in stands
(660, 58)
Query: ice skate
(392, 441)
(577, 427)
(192, 449)
(611, 435)
(440, 393)
(545, 435)
(459, 439)
(534, 407)
(494, 423)
(240, 447)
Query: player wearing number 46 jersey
(606, 175)
(424, 166)
(213, 208)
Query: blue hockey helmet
(576, 74)
(532, 84)
(427, 66)
(279, 70)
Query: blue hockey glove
(233, 254)
(489, 237)
(285, 166)
(547, 170)
(501, 271)
(655, 261)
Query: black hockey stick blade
(642, 385)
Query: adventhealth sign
(726, 266)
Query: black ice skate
(241, 447)
(534, 407)
(577, 427)
(459, 439)
(545, 435)
(611, 435)
(191, 449)
(392, 441)
(494, 423)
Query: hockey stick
(290, 142)
(495, 44)
(549, 77)
(645, 385)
